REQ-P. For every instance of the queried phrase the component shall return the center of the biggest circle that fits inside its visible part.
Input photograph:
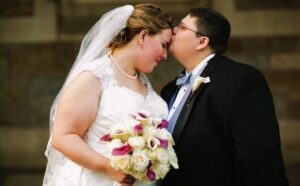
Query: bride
(105, 85)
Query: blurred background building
(39, 40)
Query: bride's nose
(164, 55)
(175, 30)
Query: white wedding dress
(116, 104)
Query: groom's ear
(202, 42)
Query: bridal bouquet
(142, 147)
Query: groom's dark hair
(213, 25)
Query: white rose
(161, 155)
(160, 170)
(149, 131)
(120, 162)
(139, 160)
(136, 142)
(138, 175)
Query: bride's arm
(76, 111)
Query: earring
(141, 46)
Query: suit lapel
(170, 91)
(186, 110)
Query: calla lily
(144, 114)
(164, 134)
(156, 122)
(164, 124)
(138, 128)
(125, 149)
(153, 143)
(106, 137)
(143, 117)
(163, 143)
(198, 81)
(150, 174)
(120, 132)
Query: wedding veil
(93, 46)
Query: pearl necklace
(121, 70)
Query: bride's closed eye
(165, 45)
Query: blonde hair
(146, 16)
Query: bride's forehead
(165, 35)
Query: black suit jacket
(227, 133)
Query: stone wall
(39, 40)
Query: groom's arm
(258, 158)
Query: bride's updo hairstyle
(145, 16)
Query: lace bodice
(118, 102)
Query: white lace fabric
(115, 105)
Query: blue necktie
(181, 80)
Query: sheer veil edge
(94, 45)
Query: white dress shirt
(198, 70)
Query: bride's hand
(123, 179)
(128, 180)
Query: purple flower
(163, 143)
(150, 174)
(138, 128)
(125, 149)
(133, 116)
(164, 124)
(142, 115)
(106, 137)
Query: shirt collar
(200, 67)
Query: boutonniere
(198, 82)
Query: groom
(221, 112)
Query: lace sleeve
(101, 69)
